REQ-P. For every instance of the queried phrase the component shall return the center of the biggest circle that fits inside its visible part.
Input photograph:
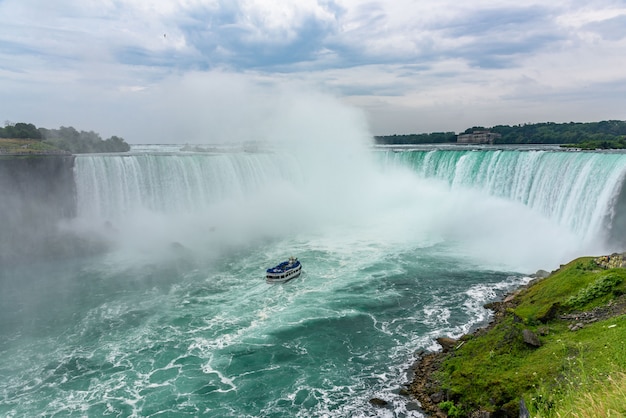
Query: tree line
(604, 134)
(65, 138)
(431, 138)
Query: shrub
(598, 288)
(451, 409)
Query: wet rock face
(378, 402)
(38, 185)
(36, 192)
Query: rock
(494, 306)
(437, 397)
(551, 313)
(412, 406)
(614, 260)
(576, 327)
(510, 298)
(541, 274)
(517, 319)
(480, 414)
(523, 411)
(379, 402)
(423, 382)
(531, 338)
(447, 344)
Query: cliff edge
(37, 192)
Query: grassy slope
(494, 369)
(32, 146)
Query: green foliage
(561, 133)
(608, 142)
(474, 128)
(492, 370)
(432, 138)
(20, 131)
(452, 410)
(65, 138)
(593, 135)
(544, 297)
(489, 371)
(601, 286)
(557, 293)
(116, 144)
(586, 264)
(69, 139)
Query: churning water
(174, 318)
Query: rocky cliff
(36, 192)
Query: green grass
(602, 398)
(494, 370)
(564, 290)
(593, 379)
(28, 146)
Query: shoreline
(423, 385)
(428, 371)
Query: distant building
(477, 137)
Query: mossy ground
(494, 369)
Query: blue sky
(147, 69)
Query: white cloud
(413, 66)
(589, 14)
(279, 21)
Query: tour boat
(285, 271)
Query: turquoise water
(170, 339)
(175, 318)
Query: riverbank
(559, 334)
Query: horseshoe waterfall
(159, 306)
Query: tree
(69, 139)
(116, 144)
(20, 130)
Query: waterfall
(260, 194)
(111, 186)
(580, 190)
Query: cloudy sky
(150, 69)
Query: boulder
(531, 338)
(437, 397)
(379, 402)
(447, 344)
(404, 392)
